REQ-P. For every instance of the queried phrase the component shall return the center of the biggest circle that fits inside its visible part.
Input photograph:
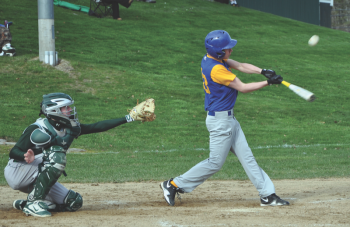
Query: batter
(221, 88)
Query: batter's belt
(221, 113)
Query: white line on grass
(261, 147)
(107, 152)
(207, 149)
(298, 146)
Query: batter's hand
(268, 73)
(29, 156)
(276, 79)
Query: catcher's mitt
(143, 111)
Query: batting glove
(276, 79)
(268, 73)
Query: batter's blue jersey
(216, 77)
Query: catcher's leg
(54, 162)
(59, 199)
(72, 202)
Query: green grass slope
(155, 51)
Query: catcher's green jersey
(63, 139)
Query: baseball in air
(314, 40)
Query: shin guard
(54, 162)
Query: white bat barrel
(305, 94)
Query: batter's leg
(257, 175)
(220, 130)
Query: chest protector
(46, 135)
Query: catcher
(39, 157)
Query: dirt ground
(315, 202)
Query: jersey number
(205, 84)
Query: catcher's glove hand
(144, 111)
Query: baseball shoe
(170, 191)
(10, 54)
(7, 48)
(37, 208)
(273, 200)
(19, 204)
(7, 54)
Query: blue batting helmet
(218, 40)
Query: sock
(173, 183)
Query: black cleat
(273, 200)
(170, 191)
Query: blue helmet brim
(232, 43)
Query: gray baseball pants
(226, 135)
(21, 176)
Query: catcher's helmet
(51, 108)
(218, 40)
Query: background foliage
(155, 51)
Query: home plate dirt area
(314, 202)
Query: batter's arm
(243, 67)
(245, 88)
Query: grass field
(155, 51)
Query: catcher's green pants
(226, 135)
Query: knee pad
(73, 201)
(55, 157)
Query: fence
(341, 19)
(310, 11)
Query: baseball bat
(305, 94)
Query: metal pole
(46, 28)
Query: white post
(52, 58)
(47, 57)
(46, 28)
